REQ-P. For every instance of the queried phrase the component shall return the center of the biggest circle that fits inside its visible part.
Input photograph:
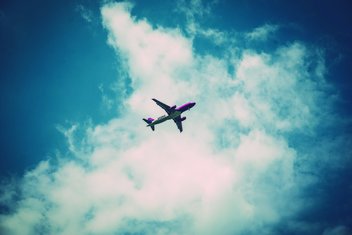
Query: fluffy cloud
(231, 170)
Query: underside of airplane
(173, 113)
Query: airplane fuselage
(165, 118)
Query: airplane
(172, 113)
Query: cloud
(86, 14)
(231, 171)
(338, 230)
(262, 33)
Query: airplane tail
(149, 121)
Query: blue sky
(265, 149)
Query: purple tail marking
(149, 120)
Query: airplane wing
(167, 108)
(178, 122)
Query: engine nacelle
(173, 107)
(182, 119)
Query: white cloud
(262, 33)
(153, 56)
(231, 170)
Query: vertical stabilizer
(149, 121)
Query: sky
(266, 149)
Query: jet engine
(182, 119)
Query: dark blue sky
(53, 61)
